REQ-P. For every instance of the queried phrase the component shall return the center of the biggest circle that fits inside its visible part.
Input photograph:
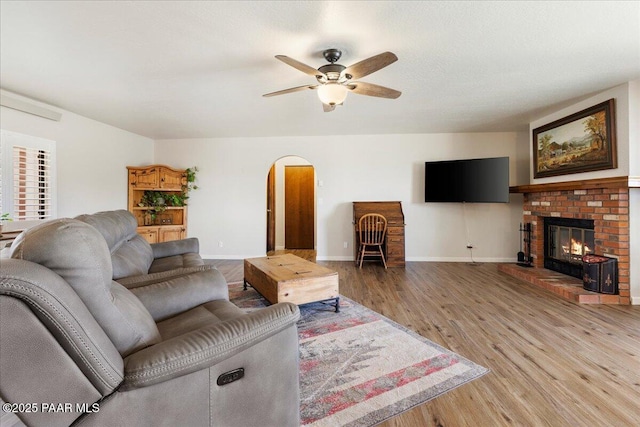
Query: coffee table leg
(245, 285)
(338, 305)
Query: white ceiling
(179, 69)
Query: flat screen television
(468, 181)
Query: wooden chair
(372, 228)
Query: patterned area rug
(358, 368)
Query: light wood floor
(552, 362)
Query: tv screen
(469, 181)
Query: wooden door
(299, 207)
(271, 209)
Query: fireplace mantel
(614, 182)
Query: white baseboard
(635, 300)
(335, 258)
(352, 259)
(459, 259)
(231, 257)
(423, 259)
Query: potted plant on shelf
(190, 185)
(155, 201)
(4, 218)
(175, 200)
(158, 201)
(181, 199)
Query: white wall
(230, 204)
(634, 193)
(91, 157)
(634, 249)
(634, 128)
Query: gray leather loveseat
(170, 350)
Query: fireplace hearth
(566, 241)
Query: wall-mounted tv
(468, 181)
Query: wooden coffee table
(288, 278)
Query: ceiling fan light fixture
(335, 80)
(332, 93)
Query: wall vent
(29, 108)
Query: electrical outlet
(346, 244)
(469, 246)
(220, 244)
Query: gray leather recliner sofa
(170, 351)
(165, 276)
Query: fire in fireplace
(566, 240)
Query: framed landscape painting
(582, 142)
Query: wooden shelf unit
(170, 224)
(394, 252)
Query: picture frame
(582, 142)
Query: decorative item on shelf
(4, 218)
(155, 201)
(175, 200)
(149, 217)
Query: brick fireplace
(603, 201)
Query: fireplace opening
(566, 241)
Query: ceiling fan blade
(328, 108)
(300, 66)
(369, 89)
(370, 65)
(290, 90)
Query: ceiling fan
(335, 80)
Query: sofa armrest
(205, 347)
(175, 247)
(171, 292)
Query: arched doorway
(291, 205)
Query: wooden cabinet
(171, 223)
(150, 234)
(144, 178)
(166, 233)
(156, 178)
(162, 233)
(394, 240)
(171, 179)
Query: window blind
(31, 183)
(27, 178)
